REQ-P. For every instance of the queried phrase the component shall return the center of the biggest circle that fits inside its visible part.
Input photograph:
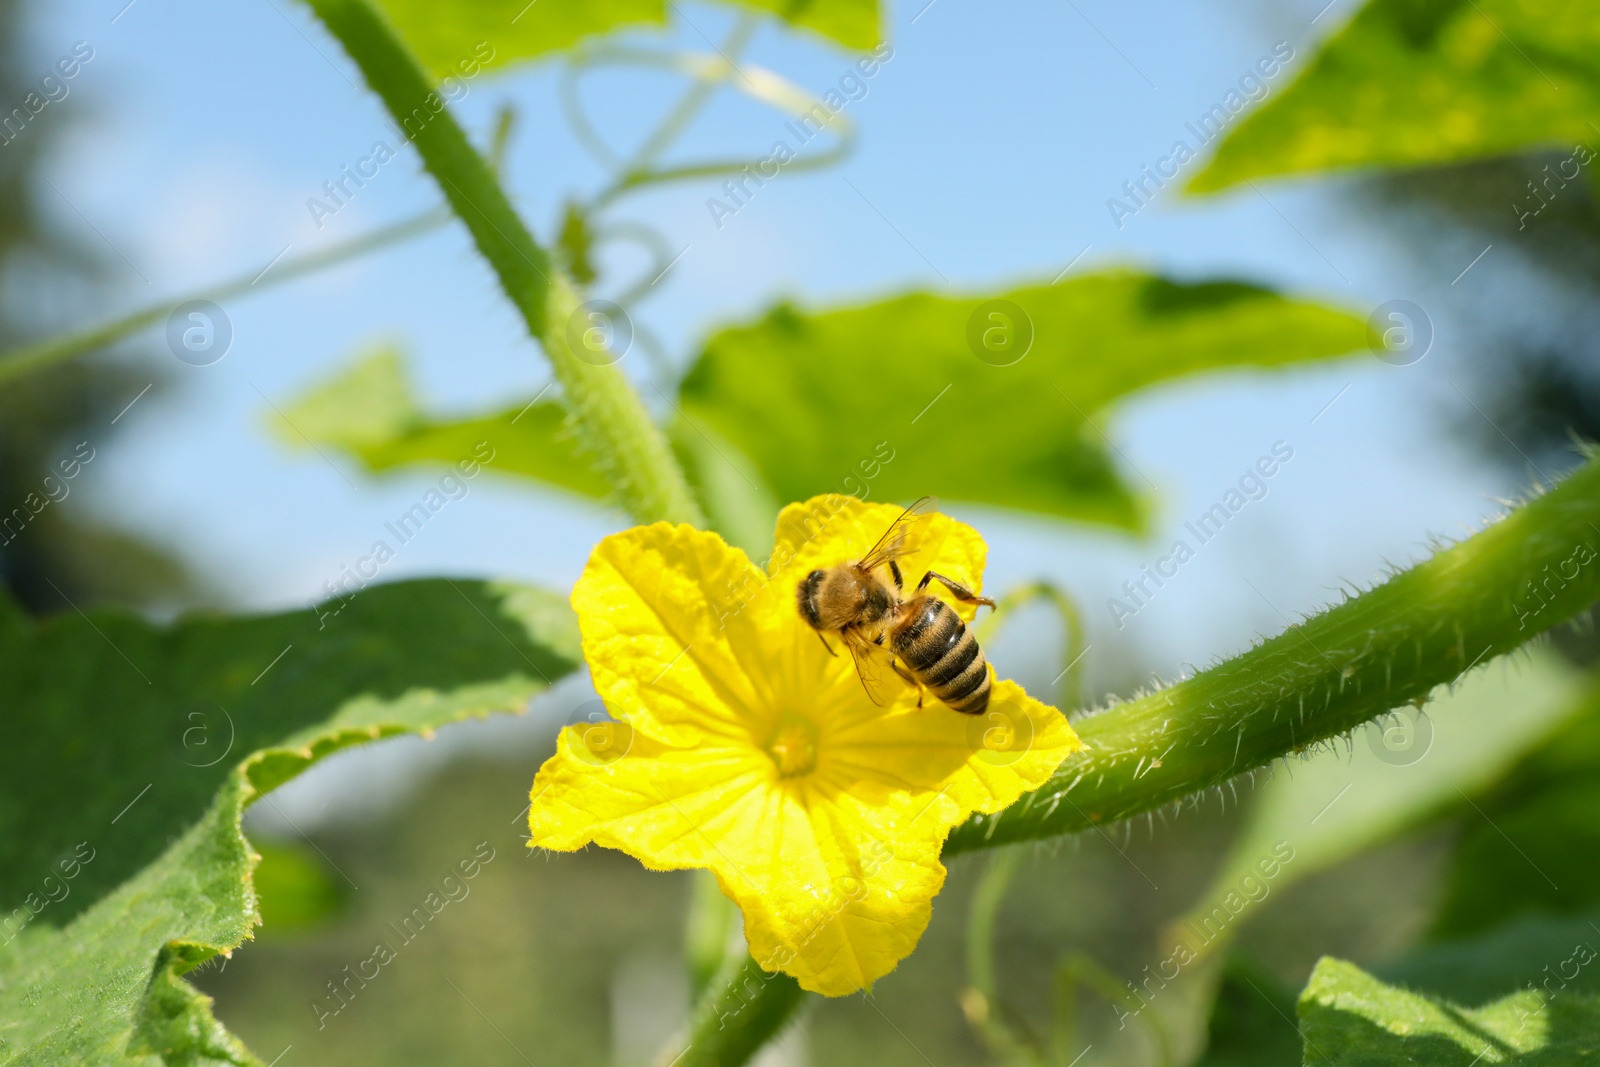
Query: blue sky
(989, 146)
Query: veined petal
(968, 763)
(665, 806)
(669, 642)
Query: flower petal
(668, 642)
(746, 749)
(832, 529)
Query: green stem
(1538, 567)
(747, 1009)
(610, 420)
(1079, 969)
(1325, 676)
(695, 97)
(711, 921)
(704, 70)
(70, 346)
(986, 900)
(980, 1002)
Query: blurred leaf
(738, 503)
(295, 887)
(1423, 82)
(455, 38)
(122, 864)
(1540, 951)
(853, 23)
(889, 400)
(1252, 1021)
(458, 38)
(1534, 843)
(370, 410)
(1397, 774)
(797, 405)
(1352, 1019)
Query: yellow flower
(743, 747)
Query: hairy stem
(711, 922)
(612, 423)
(1327, 675)
(747, 1007)
(1426, 626)
(70, 346)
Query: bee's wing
(892, 545)
(874, 666)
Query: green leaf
(120, 802)
(853, 23)
(1252, 1021)
(1393, 776)
(1350, 1018)
(889, 399)
(455, 38)
(1413, 83)
(370, 411)
(460, 38)
(1533, 842)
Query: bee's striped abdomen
(941, 653)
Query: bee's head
(806, 596)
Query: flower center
(793, 747)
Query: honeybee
(921, 639)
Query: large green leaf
(890, 399)
(1423, 82)
(134, 750)
(887, 400)
(1394, 775)
(461, 37)
(1350, 1018)
(370, 410)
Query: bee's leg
(894, 569)
(825, 644)
(957, 590)
(908, 678)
